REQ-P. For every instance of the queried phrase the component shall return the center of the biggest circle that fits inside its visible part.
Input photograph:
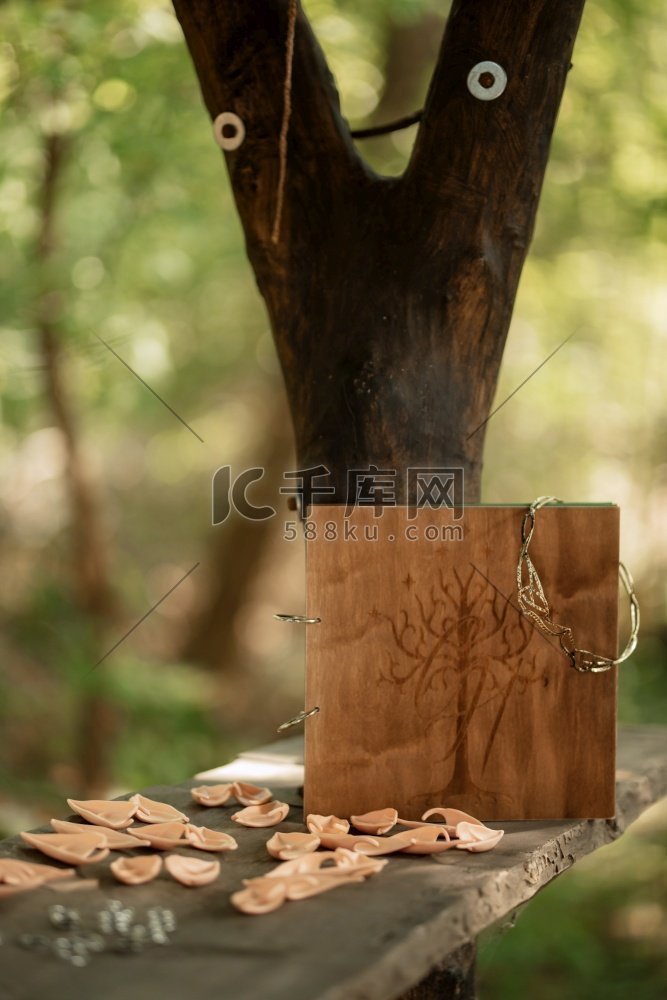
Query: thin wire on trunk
(287, 112)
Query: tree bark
(237, 555)
(389, 298)
(89, 569)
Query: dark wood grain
(389, 298)
(374, 941)
(433, 690)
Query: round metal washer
(227, 119)
(478, 90)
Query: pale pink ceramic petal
(326, 824)
(100, 812)
(209, 840)
(251, 795)
(416, 824)
(426, 840)
(192, 871)
(432, 847)
(305, 886)
(74, 885)
(211, 795)
(72, 848)
(427, 834)
(477, 838)
(367, 845)
(256, 902)
(345, 858)
(326, 863)
(452, 816)
(150, 811)
(268, 814)
(13, 871)
(304, 877)
(116, 840)
(287, 846)
(390, 845)
(303, 865)
(472, 831)
(378, 821)
(353, 841)
(163, 836)
(137, 871)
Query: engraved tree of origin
(456, 648)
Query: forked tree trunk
(389, 298)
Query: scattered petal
(360, 862)
(74, 884)
(255, 901)
(73, 848)
(211, 795)
(13, 871)
(287, 846)
(378, 821)
(100, 812)
(192, 871)
(326, 862)
(429, 840)
(209, 840)
(116, 840)
(251, 795)
(451, 816)
(470, 833)
(416, 824)
(137, 871)
(149, 811)
(304, 877)
(476, 838)
(163, 836)
(305, 886)
(326, 824)
(352, 841)
(267, 814)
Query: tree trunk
(236, 561)
(90, 575)
(389, 298)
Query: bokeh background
(117, 224)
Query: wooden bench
(408, 932)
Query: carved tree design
(458, 648)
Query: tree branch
(491, 155)
(239, 50)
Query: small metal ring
(297, 619)
(228, 142)
(298, 719)
(478, 90)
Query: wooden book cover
(433, 689)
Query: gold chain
(534, 604)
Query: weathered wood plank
(433, 688)
(363, 942)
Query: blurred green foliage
(149, 256)
(599, 932)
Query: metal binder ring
(298, 719)
(297, 619)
